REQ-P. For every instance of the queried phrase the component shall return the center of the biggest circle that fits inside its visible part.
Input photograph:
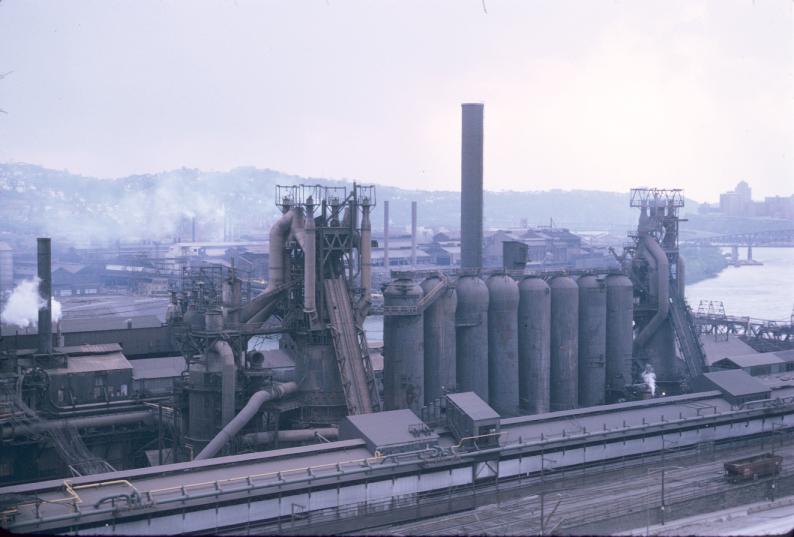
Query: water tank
(534, 325)
(620, 316)
(6, 270)
(503, 344)
(592, 340)
(471, 336)
(439, 321)
(564, 343)
(403, 346)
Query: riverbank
(702, 262)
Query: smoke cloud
(649, 377)
(22, 308)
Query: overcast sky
(581, 94)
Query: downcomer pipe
(663, 291)
(471, 169)
(225, 356)
(278, 237)
(44, 267)
(244, 416)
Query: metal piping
(225, 355)
(295, 435)
(232, 299)
(244, 416)
(44, 266)
(366, 252)
(386, 236)
(413, 234)
(104, 420)
(471, 170)
(663, 290)
(278, 237)
(309, 259)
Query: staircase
(352, 354)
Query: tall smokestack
(44, 260)
(193, 227)
(386, 237)
(471, 186)
(413, 234)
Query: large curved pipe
(295, 435)
(104, 420)
(241, 420)
(225, 356)
(663, 290)
(278, 237)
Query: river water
(762, 292)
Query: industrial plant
(553, 395)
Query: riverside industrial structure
(489, 377)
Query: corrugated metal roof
(88, 364)
(736, 382)
(751, 360)
(157, 368)
(473, 406)
(390, 428)
(717, 350)
(786, 356)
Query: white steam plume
(22, 308)
(649, 377)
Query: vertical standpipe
(471, 170)
(386, 236)
(440, 364)
(44, 260)
(413, 234)
(366, 250)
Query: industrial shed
(767, 363)
(156, 376)
(92, 373)
(737, 386)
(468, 417)
(393, 431)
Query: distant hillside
(86, 210)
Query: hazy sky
(586, 94)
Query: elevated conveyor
(350, 346)
(686, 333)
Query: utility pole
(160, 433)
